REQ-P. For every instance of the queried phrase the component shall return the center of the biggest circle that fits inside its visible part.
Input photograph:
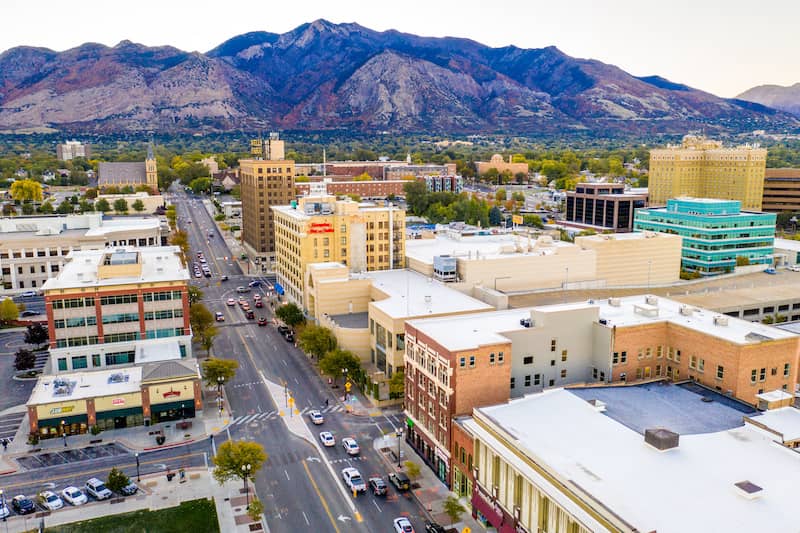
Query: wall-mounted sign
(321, 227)
(62, 410)
(118, 401)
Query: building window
(720, 371)
(472, 361)
(537, 379)
(753, 375)
(677, 356)
(528, 380)
(615, 358)
(786, 370)
(762, 374)
(500, 358)
(527, 360)
(462, 362)
(491, 358)
(659, 352)
(640, 354)
(701, 365)
(79, 362)
(96, 361)
(513, 382)
(552, 345)
(563, 355)
(62, 363)
(623, 357)
(563, 373)
(638, 373)
(693, 361)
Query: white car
(219, 317)
(256, 297)
(403, 525)
(316, 417)
(74, 496)
(50, 500)
(352, 478)
(4, 512)
(231, 302)
(97, 489)
(795, 268)
(327, 438)
(351, 446)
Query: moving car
(259, 304)
(224, 278)
(316, 417)
(74, 496)
(197, 274)
(403, 525)
(130, 489)
(400, 480)
(241, 290)
(22, 505)
(327, 439)
(29, 294)
(249, 314)
(377, 486)
(97, 489)
(231, 302)
(262, 321)
(352, 478)
(219, 317)
(28, 313)
(256, 297)
(207, 273)
(50, 500)
(289, 337)
(350, 446)
(242, 301)
(770, 271)
(254, 283)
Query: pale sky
(720, 46)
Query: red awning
(488, 511)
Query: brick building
(603, 206)
(781, 190)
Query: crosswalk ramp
(272, 415)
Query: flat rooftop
(411, 294)
(787, 244)
(464, 332)
(352, 320)
(159, 264)
(634, 310)
(480, 247)
(82, 385)
(686, 489)
(785, 421)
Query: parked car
(74, 496)
(50, 500)
(352, 478)
(130, 489)
(795, 268)
(289, 337)
(316, 417)
(433, 527)
(224, 278)
(327, 438)
(28, 313)
(403, 525)
(283, 330)
(242, 290)
(259, 304)
(219, 317)
(377, 486)
(22, 505)
(400, 480)
(350, 446)
(770, 271)
(97, 489)
(29, 294)
(207, 273)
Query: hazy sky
(721, 46)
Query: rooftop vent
(685, 310)
(651, 300)
(661, 439)
(525, 322)
(720, 320)
(748, 489)
(615, 302)
(598, 405)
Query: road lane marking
(376, 505)
(321, 498)
(306, 518)
(287, 475)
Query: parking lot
(9, 424)
(43, 460)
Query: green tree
(26, 190)
(532, 220)
(24, 359)
(553, 169)
(85, 207)
(117, 480)
(8, 311)
(102, 206)
(518, 196)
(255, 510)
(412, 470)
(65, 207)
(363, 177)
(195, 294)
(495, 216)
(397, 384)
(316, 340)
(36, 334)
(290, 314)
(236, 192)
(233, 455)
(121, 205)
(27, 208)
(615, 166)
(91, 193)
(214, 368)
(336, 361)
(172, 215)
(202, 322)
(417, 197)
(46, 208)
(199, 185)
(138, 206)
(501, 195)
(181, 240)
(453, 509)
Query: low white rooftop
(457, 333)
(682, 490)
(785, 421)
(159, 264)
(635, 310)
(787, 244)
(480, 247)
(81, 385)
(411, 295)
(116, 225)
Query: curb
(393, 468)
(172, 445)
(7, 472)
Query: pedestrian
(326, 405)
(5, 443)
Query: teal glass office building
(715, 232)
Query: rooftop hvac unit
(651, 300)
(720, 321)
(686, 310)
(661, 439)
(615, 302)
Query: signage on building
(321, 227)
(62, 410)
(516, 219)
(118, 401)
(171, 393)
(441, 454)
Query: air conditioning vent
(614, 302)
(651, 300)
(686, 310)
(720, 320)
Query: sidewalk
(157, 493)
(431, 493)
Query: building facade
(716, 233)
(264, 183)
(704, 168)
(72, 149)
(603, 207)
(35, 249)
(321, 229)
(130, 174)
(373, 189)
(496, 162)
(781, 190)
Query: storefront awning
(488, 510)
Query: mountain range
(775, 96)
(323, 76)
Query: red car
(262, 321)
(259, 303)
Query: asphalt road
(296, 487)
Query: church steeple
(151, 169)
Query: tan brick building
(781, 190)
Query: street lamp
(64, 432)
(138, 478)
(399, 433)
(246, 471)
(346, 390)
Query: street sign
(466, 530)
(516, 219)
(347, 386)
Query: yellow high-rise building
(703, 168)
(322, 229)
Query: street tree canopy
(214, 368)
(117, 480)
(232, 455)
(336, 361)
(8, 310)
(316, 340)
(24, 359)
(102, 205)
(36, 334)
(26, 190)
(290, 314)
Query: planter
(160, 439)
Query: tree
(121, 205)
(102, 205)
(532, 220)
(9, 210)
(202, 322)
(8, 311)
(26, 190)
(195, 294)
(397, 384)
(46, 208)
(172, 215)
(290, 314)
(255, 510)
(199, 185)
(495, 216)
(24, 359)
(36, 334)
(336, 361)
(91, 194)
(117, 480)
(742, 260)
(27, 208)
(85, 206)
(412, 470)
(236, 192)
(207, 338)
(233, 455)
(501, 195)
(138, 206)
(453, 509)
(417, 197)
(214, 368)
(181, 240)
(363, 177)
(316, 340)
(65, 207)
